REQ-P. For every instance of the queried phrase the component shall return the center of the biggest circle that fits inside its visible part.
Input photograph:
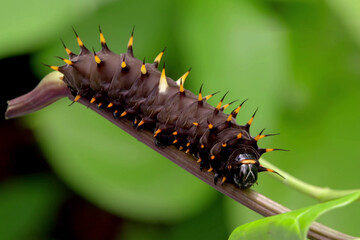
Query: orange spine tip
(239, 136)
(143, 69)
(252, 118)
(123, 64)
(202, 146)
(224, 145)
(157, 132)
(68, 51)
(181, 148)
(229, 118)
(181, 87)
(200, 98)
(92, 100)
(219, 105)
(100, 104)
(196, 124)
(102, 39)
(159, 56)
(123, 114)
(258, 137)
(208, 97)
(131, 41)
(236, 111)
(210, 169)
(187, 151)
(175, 133)
(97, 59)
(185, 75)
(226, 106)
(56, 68)
(141, 123)
(210, 126)
(223, 179)
(269, 149)
(77, 98)
(183, 78)
(250, 121)
(188, 144)
(212, 157)
(199, 160)
(81, 44)
(175, 141)
(110, 105)
(67, 61)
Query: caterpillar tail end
(50, 89)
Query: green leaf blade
(291, 225)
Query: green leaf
(27, 25)
(112, 169)
(210, 225)
(348, 13)
(291, 225)
(27, 206)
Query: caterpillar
(133, 89)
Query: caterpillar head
(244, 167)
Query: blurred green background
(298, 61)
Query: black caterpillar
(137, 90)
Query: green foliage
(28, 25)
(292, 225)
(27, 204)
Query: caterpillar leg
(216, 177)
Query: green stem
(321, 194)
